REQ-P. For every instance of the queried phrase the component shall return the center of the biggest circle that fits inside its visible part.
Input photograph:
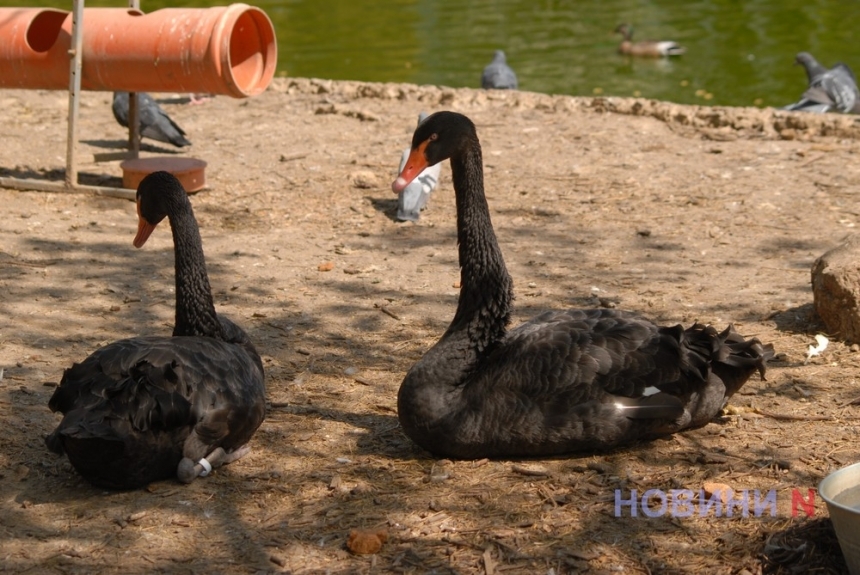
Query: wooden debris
(291, 157)
(278, 560)
(489, 564)
(389, 313)
(530, 470)
(792, 417)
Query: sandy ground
(681, 213)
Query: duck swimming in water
(646, 48)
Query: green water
(738, 53)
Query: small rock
(365, 542)
(21, 472)
(364, 179)
(325, 266)
(441, 471)
(712, 487)
(606, 302)
(836, 289)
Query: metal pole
(134, 109)
(133, 125)
(74, 91)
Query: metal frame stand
(71, 180)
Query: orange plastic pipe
(227, 50)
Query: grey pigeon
(414, 197)
(829, 90)
(154, 123)
(498, 74)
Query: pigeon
(833, 90)
(498, 75)
(414, 197)
(154, 123)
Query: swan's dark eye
(434, 136)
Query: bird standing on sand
(828, 90)
(498, 75)
(646, 48)
(414, 197)
(153, 122)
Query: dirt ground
(682, 213)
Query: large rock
(836, 289)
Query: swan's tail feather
(739, 358)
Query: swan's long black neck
(486, 291)
(195, 310)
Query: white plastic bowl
(841, 491)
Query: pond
(738, 53)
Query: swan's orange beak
(415, 164)
(144, 229)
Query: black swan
(497, 75)
(828, 90)
(646, 48)
(149, 408)
(414, 197)
(565, 381)
(153, 122)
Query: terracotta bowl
(189, 171)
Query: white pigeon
(414, 197)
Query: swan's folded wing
(586, 354)
(161, 382)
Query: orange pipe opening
(227, 50)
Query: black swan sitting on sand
(150, 408)
(565, 381)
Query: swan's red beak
(415, 164)
(144, 229)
